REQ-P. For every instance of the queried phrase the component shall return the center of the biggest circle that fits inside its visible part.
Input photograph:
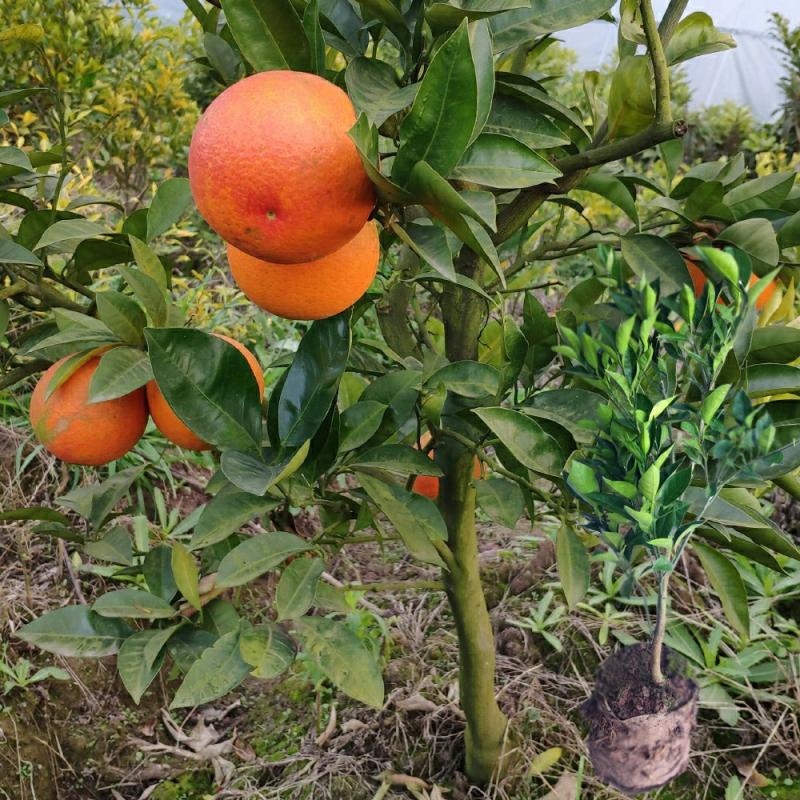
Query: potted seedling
(674, 428)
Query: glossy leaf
(359, 423)
(776, 344)
(65, 234)
(315, 37)
(513, 117)
(345, 660)
(148, 262)
(728, 587)
(526, 440)
(756, 237)
(148, 293)
(571, 408)
(372, 86)
(216, 672)
(652, 257)
(613, 189)
(122, 315)
(467, 378)
(398, 458)
(297, 587)
(443, 16)
(121, 371)
(209, 385)
(269, 33)
(226, 513)
(257, 555)
(255, 476)
(695, 35)
(313, 379)
(630, 100)
(439, 126)
(13, 253)
(503, 163)
(429, 242)
(768, 379)
(75, 631)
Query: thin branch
(20, 373)
(17, 287)
(670, 20)
(394, 586)
(660, 67)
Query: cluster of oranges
(274, 172)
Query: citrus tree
(418, 143)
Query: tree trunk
(464, 315)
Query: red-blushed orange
(80, 432)
(313, 290)
(273, 171)
(168, 422)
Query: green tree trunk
(464, 317)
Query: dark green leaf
(359, 423)
(467, 378)
(297, 587)
(226, 513)
(115, 547)
(652, 257)
(135, 670)
(121, 371)
(96, 501)
(573, 565)
(501, 500)
(397, 458)
(77, 632)
(257, 555)
(728, 587)
(513, 117)
(372, 86)
(133, 604)
(268, 649)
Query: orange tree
(468, 154)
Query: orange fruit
(273, 171)
(699, 280)
(428, 485)
(80, 432)
(168, 422)
(313, 290)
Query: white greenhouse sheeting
(748, 75)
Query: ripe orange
(273, 171)
(699, 280)
(168, 422)
(80, 432)
(428, 485)
(313, 290)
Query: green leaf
(187, 644)
(173, 197)
(443, 16)
(768, 191)
(582, 480)
(297, 587)
(372, 86)
(122, 315)
(454, 209)
(359, 423)
(121, 371)
(219, 670)
(695, 35)
(257, 555)
(315, 37)
(429, 242)
(525, 439)
(208, 384)
(343, 658)
(398, 458)
(439, 126)
(762, 380)
(157, 572)
(630, 99)
(775, 344)
(467, 379)
(76, 632)
(148, 262)
(501, 500)
(226, 513)
(713, 401)
(115, 547)
(503, 163)
(148, 293)
(186, 574)
(416, 518)
(573, 565)
(66, 234)
(652, 257)
(95, 502)
(513, 117)
(11, 96)
(756, 237)
(313, 379)
(251, 474)
(269, 33)
(728, 587)
(268, 649)
(614, 190)
(390, 16)
(14, 157)
(13, 253)
(133, 604)
(223, 58)
(133, 664)
(35, 512)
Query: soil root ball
(640, 733)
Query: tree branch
(660, 67)
(670, 20)
(20, 373)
